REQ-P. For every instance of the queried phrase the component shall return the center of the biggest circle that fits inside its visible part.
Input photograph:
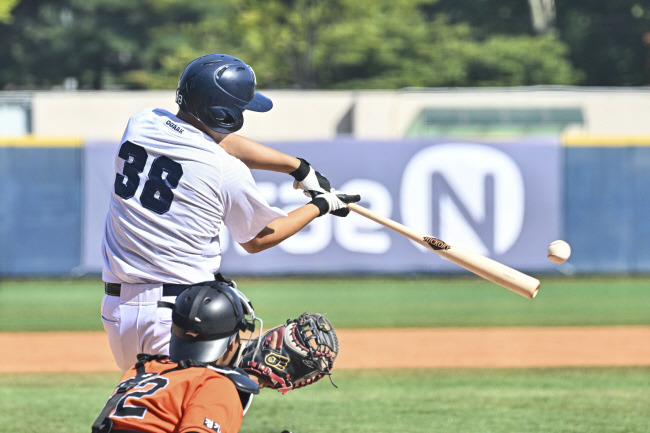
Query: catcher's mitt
(294, 355)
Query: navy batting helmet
(216, 89)
(206, 318)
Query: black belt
(113, 289)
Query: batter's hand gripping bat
(491, 270)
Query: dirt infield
(374, 348)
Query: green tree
(521, 61)
(388, 44)
(609, 40)
(50, 40)
(5, 10)
(486, 17)
(100, 43)
(330, 44)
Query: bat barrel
(491, 270)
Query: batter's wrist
(322, 205)
(302, 171)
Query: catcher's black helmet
(206, 319)
(216, 89)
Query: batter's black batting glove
(309, 180)
(335, 202)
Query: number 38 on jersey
(163, 177)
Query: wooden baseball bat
(491, 270)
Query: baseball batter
(179, 179)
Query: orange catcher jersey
(193, 399)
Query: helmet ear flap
(223, 119)
(180, 100)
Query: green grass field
(549, 400)
(602, 400)
(41, 305)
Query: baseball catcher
(294, 355)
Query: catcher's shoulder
(239, 378)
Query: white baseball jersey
(174, 188)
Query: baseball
(558, 251)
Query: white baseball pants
(134, 323)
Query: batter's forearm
(282, 228)
(258, 156)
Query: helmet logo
(179, 97)
(277, 361)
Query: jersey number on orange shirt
(124, 410)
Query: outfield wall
(504, 199)
(494, 198)
(41, 207)
(501, 171)
(606, 203)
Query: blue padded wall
(40, 210)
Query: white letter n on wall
(468, 194)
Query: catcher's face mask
(252, 332)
